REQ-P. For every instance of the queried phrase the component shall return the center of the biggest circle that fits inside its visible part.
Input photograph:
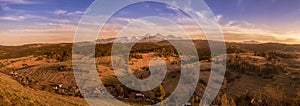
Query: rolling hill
(13, 93)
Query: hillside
(254, 71)
(13, 93)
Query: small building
(139, 95)
(136, 95)
(132, 95)
(13, 73)
(60, 85)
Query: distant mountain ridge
(140, 39)
(251, 42)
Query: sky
(55, 21)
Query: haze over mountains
(140, 39)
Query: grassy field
(13, 93)
(254, 72)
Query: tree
(161, 93)
(1, 64)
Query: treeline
(235, 49)
(274, 55)
(61, 54)
(268, 47)
(164, 49)
(34, 50)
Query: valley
(254, 76)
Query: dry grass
(12, 93)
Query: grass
(12, 93)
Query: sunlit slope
(12, 93)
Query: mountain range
(140, 39)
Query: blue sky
(273, 13)
(44, 21)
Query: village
(28, 76)
(118, 91)
(91, 92)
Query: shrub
(1, 64)
(135, 55)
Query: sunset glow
(35, 21)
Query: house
(55, 88)
(60, 85)
(132, 95)
(139, 95)
(187, 104)
(136, 95)
(13, 73)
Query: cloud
(243, 31)
(75, 13)
(234, 37)
(36, 32)
(18, 2)
(219, 17)
(68, 13)
(127, 20)
(63, 21)
(21, 17)
(60, 12)
(12, 18)
(244, 27)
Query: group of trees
(62, 54)
(160, 93)
(265, 70)
(103, 50)
(271, 55)
(135, 55)
(54, 51)
(270, 95)
(166, 51)
(224, 100)
(1, 64)
(234, 49)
